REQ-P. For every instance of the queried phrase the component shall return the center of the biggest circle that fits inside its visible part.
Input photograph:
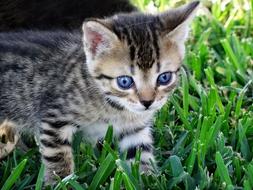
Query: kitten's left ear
(98, 38)
(176, 21)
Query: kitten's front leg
(138, 138)
(55, 147)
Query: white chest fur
(121, 123)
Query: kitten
(56, 14)
(118, 70)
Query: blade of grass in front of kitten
(14, 175)
(108, 139)
(117, 179)
(20, 185)
(127, 182)
(122, 165)
(185, 87)
(75, 185)
(191, 159)
(175, 180)
(40, 177)
(246, 185)
(63, 183)
(105, 169)
(176, 166)
(240, 99)
(249, 173)
(210, 78)
(231, 55)
(181, 113)
(222, 169)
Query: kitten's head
(134, 58)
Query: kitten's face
(138, 88)
(135, 59)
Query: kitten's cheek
(135, 107)
(159, 104)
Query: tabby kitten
(119, 70)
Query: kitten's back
(31, 63)
(27, 43)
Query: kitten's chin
(141, 111)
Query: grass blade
(40, 177)
(222, 169)
(105, 169)
(14, 175)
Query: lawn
(203, 135)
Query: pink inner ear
(95, 40)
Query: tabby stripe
(56, 124)
(114, 104)
(132, 69)
(156, 47)
(130, 132)
(102, 76)
(116, 93)
(56, 158)
(158, 67)
(51, 115)
(68, 70)
(62, 142)
(132, 52)
(80, 88)
(54, 106)
(171, 87)
(48, 132)
(155, 44)
(53, 143)
(47, 143)
(128, 36)
(130, 42)
(131, 152)
(99, 144)
(144, 162)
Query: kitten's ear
(176, 21)
(97, 38)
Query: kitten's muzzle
(146, 103)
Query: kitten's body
(44, 80)
(52, 64)
(55, 83)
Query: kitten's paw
(8, 138)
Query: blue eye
(164, 78)
(125, 82)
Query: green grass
(203, 135)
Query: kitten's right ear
(176, 21)
(97, 38)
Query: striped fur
(56, 83)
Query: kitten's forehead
(141, 33)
